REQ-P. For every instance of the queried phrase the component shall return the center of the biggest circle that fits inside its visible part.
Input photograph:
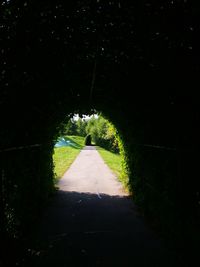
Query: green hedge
(57, 62)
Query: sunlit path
(92, 222)
(89, 173)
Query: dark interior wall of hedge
(132, 61)
(161, 164)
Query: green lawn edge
(63, 157)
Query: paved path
(92, 222)
(90, 174)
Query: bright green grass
(64, 156)
(112, 160)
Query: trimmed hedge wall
(131, 61)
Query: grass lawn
(64, 156)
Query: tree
(103, 133)
(70, 128)
(81, 127)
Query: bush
(88, 140)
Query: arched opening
(75, 199)
(152, 204)
(86, 131)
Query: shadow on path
(80, 229)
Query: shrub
(88, 140)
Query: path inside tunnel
(91, 221)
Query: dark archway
(133, 62)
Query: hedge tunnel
(134, 62)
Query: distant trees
(70, 128)
(75, 127)
(102, 132)
(81, 125)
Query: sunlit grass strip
(114, 162)
(78, 140)
(64, 156)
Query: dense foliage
(102, 132)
